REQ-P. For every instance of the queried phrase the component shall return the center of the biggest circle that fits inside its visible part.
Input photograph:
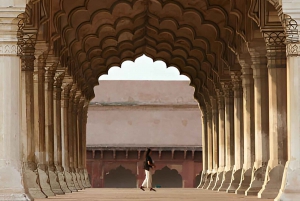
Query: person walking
(148, 165)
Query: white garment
(148, 180)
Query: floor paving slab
(162, 194)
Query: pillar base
(245, 181)
(11, 187)
(219, 181)
(87, 179)
(208, 178)
(226, 181)
(43, 178)
(61, 180)
(235, 181)
(272, 186)
(79, 179)
(290, 188)
(14, 197)
(74, 177)
(82, 177)
(54, 181)
(212, 181)
(69, 181)
(202, 180)
(257, 181)
(30, 177)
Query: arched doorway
(167, 178)
(120, 178)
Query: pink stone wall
(137, 113)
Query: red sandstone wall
(144, 125)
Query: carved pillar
(50, 69)
(261, 106)
(221, 140)
(290, 187)
(59, 75)
(29, 166)
(204, 176)
(215, 128)
(76, 137)
(84, 122)
(71, 125)
(39, 117)
(229, 136)
(276, 54)
(80, 140)
(66, 86)
(248, 119)
(209, 146)
(238, 131)
(10, 107)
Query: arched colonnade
(242, 57)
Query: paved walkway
(102, 194)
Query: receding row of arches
(124, 178)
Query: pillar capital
(291, 30)
(9, 28)
(221, 101)
(227, 88)
(58, 79)
(276, 48)
(236, 80)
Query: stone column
(30, 176)
(290, 187)
(71, 125)
(229, 136)
(276, 54)
(59, 75)
(11, 187)
(66, 86)
(221, 140)
(50, 69)
(75, 137)
(215, 129)
(209, 147)
(84, 122)
(204, 177)
(39, 117)
(238, 132)
(261, 106)
(79, 140)
(248, 119)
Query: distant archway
(120, 178)
(167, 178)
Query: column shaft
(204, 174)
(39, 117)
(29, 166)
(276, 54)
(229, 136)
(248, 122)
(229, 128)
(221, 133)
(238, 132)
(261, 106)
(11, 187)
(66, 133)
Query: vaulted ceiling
(199, 37)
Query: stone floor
(102, 194)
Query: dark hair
(147, 152)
